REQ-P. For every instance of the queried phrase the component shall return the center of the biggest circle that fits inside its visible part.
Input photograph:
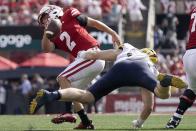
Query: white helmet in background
(52, 11)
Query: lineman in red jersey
(74, 38)
(188, 97)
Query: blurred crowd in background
(15, 95)
(22, 91)
(169, 48)
(25, 12)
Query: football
(54, 28)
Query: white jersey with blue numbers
(129, 52)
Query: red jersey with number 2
(73, 37)
(192, 30)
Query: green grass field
(107, 122)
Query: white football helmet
(52, 11)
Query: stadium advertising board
(170, 105)
(123, 103)
(29, 37)
(133, 103)
(20, 37)
(103, 38)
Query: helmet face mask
(48, 13)
(43, 19)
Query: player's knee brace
(166, 81)
(188, 97)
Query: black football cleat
(40, 99)
(173, 122)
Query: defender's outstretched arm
(108, 55)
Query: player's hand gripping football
(53, 28)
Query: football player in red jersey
(74, 38)
(188, 97)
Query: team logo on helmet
(151, 53)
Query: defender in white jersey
(132, 68)
(130, 53)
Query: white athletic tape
(49, 32)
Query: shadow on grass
(124, 129)
(30, 130)
(41, 130)
(151, 129)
